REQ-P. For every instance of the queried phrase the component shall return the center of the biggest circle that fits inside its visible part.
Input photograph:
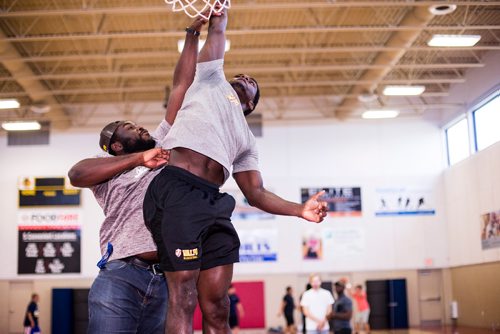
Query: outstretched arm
(216, 40)
(184, 70)
(251, 184)
(91, 172)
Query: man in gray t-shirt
(130, 294)
(187, 215)
(342, 311)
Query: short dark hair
(288, 288)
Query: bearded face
(138, 145)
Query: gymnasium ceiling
(93, 61)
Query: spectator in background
(235, 310)
(316, 305)
(301, 309)
(31, 317)
(363, 310)
(342, 311)
(287, 309)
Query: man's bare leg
(214, 301)
(182, 300)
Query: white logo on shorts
(178, 252)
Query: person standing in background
(31, 317)
(287, 309)
(363, 310)
(342, 311)
(301, 309)
(316, 305)
(235, 310)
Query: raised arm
(251, 184)
(91, 172)
(185, 69)
(216, 40)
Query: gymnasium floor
(460, 330)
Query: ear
(251, 105)
(117, 147)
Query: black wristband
(192, 31)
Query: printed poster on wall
(343, 242)
(49, 241)
(343, 201)
(259, 245)
(490, 230)
(404, 201)
(243, 210)
(312, 245)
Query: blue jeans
(125, 298)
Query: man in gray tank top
(130, 294)
(187, 215)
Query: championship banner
(243, 210)
(49, 241)
(259, 245)
(403, 201)
(345, 201)
(490, 230)
(47, 191)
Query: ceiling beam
(161, 88)
(248, 52)
(237, 7)
(236, 70)
(33, 88)
(419, 17)
(244, 32)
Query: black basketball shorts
(190, 221)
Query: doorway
(430, 297)
(19, 298)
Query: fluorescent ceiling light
(21, 126)
(375, 114)
(9, 104)
(180, 45)
(454, 40)
(403, 90)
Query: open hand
(155, 157)
(315, 210)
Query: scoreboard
(47, 191)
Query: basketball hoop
(194, 8)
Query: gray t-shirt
(211, 122)
(121, 200)
(342, 304)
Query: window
(487, 123)
(457, 140)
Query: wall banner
(49, 241)
(404, 201)
(259, 245)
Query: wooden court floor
(442, 330)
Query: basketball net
(194, 8)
